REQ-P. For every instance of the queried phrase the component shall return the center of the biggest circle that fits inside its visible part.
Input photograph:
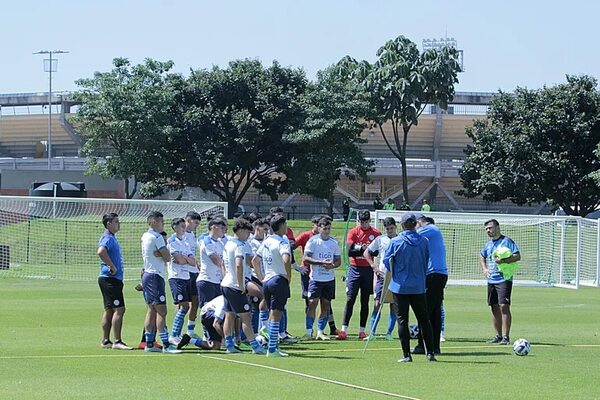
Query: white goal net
(46, 237)
(555, 250)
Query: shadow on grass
(476, 353)
(442, 361)
(320, 356)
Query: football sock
(191, 326)
(310, 322)
(254, 344)
(255, 318)
(273, 331)
(150, 337)
(283, 323)
(197, 342)
(344, 328)
(178, 322)
(164, 337)
(229, 342)
(375, 316)
(263, 319)
(322, 324)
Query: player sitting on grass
(322, 252)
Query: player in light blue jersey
(499, 289)
(235, 258)
(275, 255)
(210, 249)
(375, 249)
(322, 252)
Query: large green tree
(328, 145)
(234, 129)
(125, 119)
(538, 146)
(400, 85)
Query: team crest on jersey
(116, 303)
(371, 237)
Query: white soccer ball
(261, 340)
(521, 347)
(413, 330)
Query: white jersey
(216, 306)
(209, 271)
(271, 252)
(235, 249)
(152, 241)
(190, 239)
(380, 244)
(321, 250)
(254, 245)
(178, 246)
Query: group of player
(241, 283)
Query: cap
(418, 216)
(364, 215)
(408, 217)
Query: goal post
(57, 238)
(555, 250)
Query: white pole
(578, 266)
(561, 265)
(50, 116)
(54, 185)
(598, 252)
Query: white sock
(344, 328)
(361, 329)
(309, 332)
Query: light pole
(439, 44)
(50, 65)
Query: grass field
(50, 334)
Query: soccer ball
(521, 347)
(413, 331)
(261, 340)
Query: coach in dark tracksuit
(437, 277)
(406, 258)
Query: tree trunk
(403, 162)
(129, 195)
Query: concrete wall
(18, 182)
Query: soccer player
(210, 248)
(182, 259)
(360, 273)
(377, 248)
(235, 257)
(275, 255)
(322, 252)
(254, 286)
(499, 289)
(406, 258)
(192, 220)
(155, 254)
(110, 281)
(437, 276)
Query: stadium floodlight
(438, 44)
(50, 65)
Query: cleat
(442, 338)
(288, 340)
(171, 349)
(431, 357)
(290, 335)
(505, 340)
(244, 346)
(277, 354)
(138, 287)
(362, 335)
(495, 339)
(342, 336)
(334, 331)
(405, 359)
(106, 344)
(264, 333)
(259, 350)
(121, 346)
(418, 350)
(307, 338)
(370, 338)
(152, 349)
(322, 336)
(389, 337)
(185, 339)
(233, 350)
(174, 340)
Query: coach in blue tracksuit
(406, 258)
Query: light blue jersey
(437, 249)
(495, 276)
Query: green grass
(50, 335)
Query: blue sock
(255, 317)
(391, 323)
(197, 342)
(310, 321)
(323, 323)
(191, 325)
(283, 322)
(443, 321)
(375, 317)
(264, 318)
(273, 335)
(254, 344)
(164, 337)
(229, 342)
(178, 322)
(150, 337)
(243, 336)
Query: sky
(506, 43)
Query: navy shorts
(304, 279)
(112, 292)
(208, 321)
(235, 300)
(499, 293)
(193, 288)
(207, 291)
(324, 290)
(277, 291)
(378, 287)
(359, 278)
(154, 289)
(180, 289)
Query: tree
(234, 129)
(125, 118)
(538, 146)
(400, 84)
(328, 145)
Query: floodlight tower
(50, 65)
(438, 44)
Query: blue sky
(506, 43)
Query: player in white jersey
(275, 255)
(210, 249)
(322, 252)
(375, 249)
(254, 285)
(154, 255)
(182, 259)
(235, 258)
(192, 220)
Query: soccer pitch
(50, 334)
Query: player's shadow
(442, 361)
(477, 353)
(320, 356)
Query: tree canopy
(538, 146)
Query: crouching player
(322, 252)
(212, 315)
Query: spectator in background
(425, 207)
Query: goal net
(555, 250)
(46, 237)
